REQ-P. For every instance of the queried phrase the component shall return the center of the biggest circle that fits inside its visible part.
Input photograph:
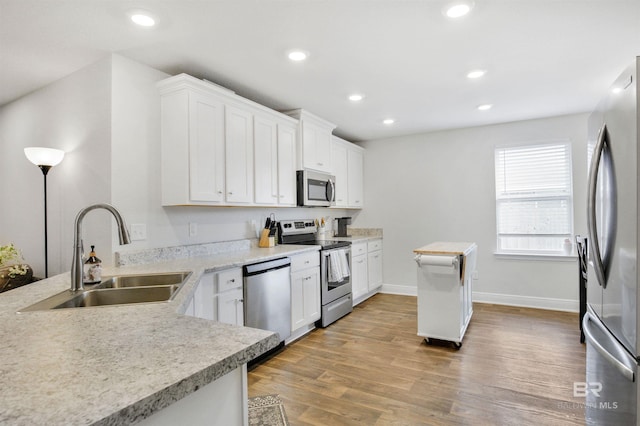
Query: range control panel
(298, 226)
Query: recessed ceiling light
(457, 9)
(388, 121)
(143, 20)
(297, 55)
(476, 73)
(356, 97)
(484, 107)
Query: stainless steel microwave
(316, 189)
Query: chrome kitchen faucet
(78, 251)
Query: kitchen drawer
(304, 261)
(358, 248)
(374, 245)
(229, 279)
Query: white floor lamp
(45, 158)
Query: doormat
(267, 410)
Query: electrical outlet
(193, 229)
(138, 231)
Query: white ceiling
(543, 57)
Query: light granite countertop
(116, 365)
(357, 235)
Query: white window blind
(533, 197)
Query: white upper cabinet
(314, 144)
(208, 137)
(355, 176)
(266, 160)
(192, 128)
(275, 168)
(239, 155)
(340, 171)
(348, 168)
(287, 164)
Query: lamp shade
(44, 156)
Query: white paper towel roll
(437, 260)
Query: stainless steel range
(335, 267)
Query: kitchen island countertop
(118, 364)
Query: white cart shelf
(445, 275)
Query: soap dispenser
(92, 268)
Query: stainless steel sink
(125, 281)
(117, 290)
(119, 296)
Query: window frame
(535, 253)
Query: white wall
(440, 187)
(106, 117)
(72, 114)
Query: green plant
(10, 256)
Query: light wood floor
(516, 367)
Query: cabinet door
(231, 307)
(355, 164)
(206, 149)
(339, 164)
(297, 300)
(374, 269)
(359, 276)
(311, 295)
(286, 165)
(239, 155)
(316, 147)
(305, 297)
(266, 161)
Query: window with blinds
(534, 193)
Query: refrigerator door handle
(624, 369)
(591, 207)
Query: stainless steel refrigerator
(611, 322)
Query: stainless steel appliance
(341, 226)
(315, 189)
(611, 322)
(267, 296)
(335, 288)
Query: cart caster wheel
(427, 341)
(457, 345)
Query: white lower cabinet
(359, 278)
(220, 403)
(374, 264)
(219, 297)
(366, 265)
(305, 290)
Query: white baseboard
(566, 305)
(403, 290)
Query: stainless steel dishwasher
(267, 296)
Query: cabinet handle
(230, 192)
(320, 164)
(232, 280)
(282, 196)
(219, 192)
(357, 201)
(306, 261)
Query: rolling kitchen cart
(445, 274)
